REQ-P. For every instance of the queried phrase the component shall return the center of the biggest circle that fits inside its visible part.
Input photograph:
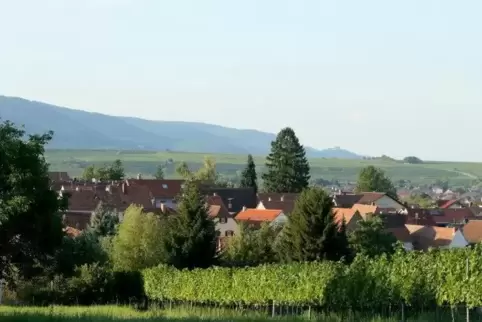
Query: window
(164, 185)
(229, 233)
(223, 220)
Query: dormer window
(164, 185)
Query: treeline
(420, 280)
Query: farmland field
(146, 162)
(124, 314)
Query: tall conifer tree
(288, 169)
(311, 232)
(249, 178)
(192, 237)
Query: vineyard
(424, 280)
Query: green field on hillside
(146, 162)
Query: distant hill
(75, 129)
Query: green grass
(125, 314)
(145, 162)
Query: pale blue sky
(376, 77)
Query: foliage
(30, 222)
(139, 241)
(287, 167)
(104, 221)
(374, 179)
(207, 173)
(417, 279)
(249, 177)
(159, 172)
(412, 160)
(191, 238)
(371, 239)
(311, 232)
(251, 247)
(423, 200)
(114, 171)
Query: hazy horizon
(372, 77)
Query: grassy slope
(145, 162)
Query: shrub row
(416, 279)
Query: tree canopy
(114, 171)
(370, 238)
(288, 170)
(30, 220)
(104, 221)
(311, 232)
(412, 160)
(249, 178)
(375, 179)
(159, 172)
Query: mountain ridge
(77, 129)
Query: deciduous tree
(375, 179)
(371, 239)
(288, 169)
(30, 220)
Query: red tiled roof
(448, 203)
(473, 231)
(258, 215)
(425, 237)
(287, 205)
(453, 216)
(401, 233)
(347, 213)
(217, 208)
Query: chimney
(244, 208)
(77, 189)
(139, 176)
(163, 207)
(123, 188)
(215, 194)
(282, 198)
(269, 198)
(108, 189)
(153, 202)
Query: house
(162, 191)
(449, 204)
(234, 198)
(345, 200)
(286, 205)
(351, 217)
(472, 231)
(451, 216)
(225, 223)
(402, 234)
(425, 237)
(255, 217)
(420, 216)
(381, 200)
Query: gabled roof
(234, 198)
(217, 208)
(365, 209)
(287, 206)
(258, 215)
(159, 188)
(269, 196)
(400, 233)
(447, 203)
(472, 231)
(452, 216)
(345, 213)
(425, 237)
(346, 200)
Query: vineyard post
(403, 312)
(273, 310)
(309, 312)
(1, 291)
(467, 311)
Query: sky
(375, 76)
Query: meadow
(230, 165)
(125, 314)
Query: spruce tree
(288, 170)
(249, 178)
(104, 221)
(311, 232)
(191, 241)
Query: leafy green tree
(192, 237)
(139, 241)
(251, 247)
(207, 173)
(288, 169)
(311, 232)
(374, 179)
(412, 160)
(89, 173)
(249, 178)
(104, 221)
(116, 170)
(30, 220)
(159, 173)
(371, 239)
